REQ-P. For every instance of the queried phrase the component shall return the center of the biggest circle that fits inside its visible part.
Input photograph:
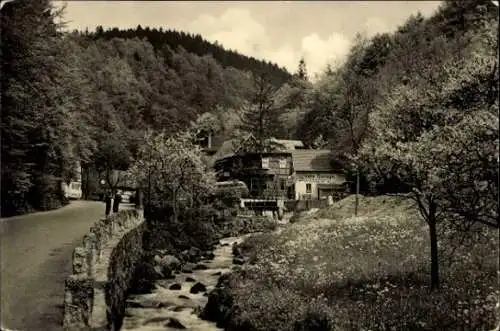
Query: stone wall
(103, 267)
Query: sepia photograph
(249, 165)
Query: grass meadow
(332, 271)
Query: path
(35, 259)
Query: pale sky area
(277, 31)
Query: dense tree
(260, 116)
(436, 134)
(37, 130)
(171, 170)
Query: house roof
(289, 144)
(227, 149)
(311, 160)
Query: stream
(177, 309)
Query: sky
(278, 31)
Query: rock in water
(197, 288)
(175, 287)
(175, 324)
(190, 280)
(188, 267)
(169, 263)
(218, 305)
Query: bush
(228, 197)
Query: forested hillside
(90, 97)
(162, 40)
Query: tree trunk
(357, 194)
(148, 211)
(174, 206)
(434, 247)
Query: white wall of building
(301, 181)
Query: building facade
(314, 177)
(267, 175)
(289, 173)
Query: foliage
(229, 196)
(112, 155)
(170, 39)
(171, 170)
(362, 273)
(437, 138)
(37, 113)
(77, 96)
(293, 101)
(260, 116)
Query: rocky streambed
(176, 300)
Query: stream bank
(176, 301)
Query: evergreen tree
(302, 72)
(260, 117)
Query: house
(314, 176)
(267, 173)
(283, 171)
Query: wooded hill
(167, 40)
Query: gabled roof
(311, 160)
(289, 144)
(229, 148)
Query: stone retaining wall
(103, 267)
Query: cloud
(319, 52)
(236, 29)
(375, 25)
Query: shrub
(228, 197)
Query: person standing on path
(116, 203)
(108, 200)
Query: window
(283, 164)
(308, 188)
(265, 163)
(282, 184)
